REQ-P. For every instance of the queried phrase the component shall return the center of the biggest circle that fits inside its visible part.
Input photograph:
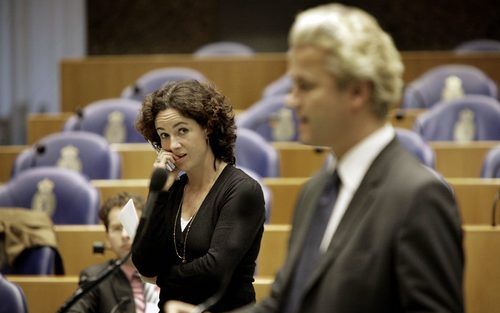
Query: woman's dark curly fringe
(198, 101)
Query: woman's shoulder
(237, 175)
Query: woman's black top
(221, 248)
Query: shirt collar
(355, 163)
(128, 270)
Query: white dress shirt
(351, 170)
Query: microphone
(136, 90)
(158, 179)
(79, 115)
(400, 115)
(494, 209)
(98, 247)
(39, 151)
(122, 301)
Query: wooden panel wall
(241, 79)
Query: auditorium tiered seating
(459, 163)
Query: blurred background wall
(36, 34)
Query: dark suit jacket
(108, 294)
(398, 247)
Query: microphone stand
(91, 284)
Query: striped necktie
(138, 291)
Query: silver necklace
(183, 256)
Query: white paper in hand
(128, 218)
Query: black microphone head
(400, 115)
(98, 247)
(136, 90)
(158, 179)
(79, 112)
(40, 149)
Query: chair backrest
(35, 261)
(11, 297)
(224, 48)
(85, 152)
(265, 190)
(256, 154)
(113, 119)
(414, 144)
(67, 196)
(281, 86)
(155, 79)
(491, 164)
(427, 90)
(478, 45)
(271, 119)
(466, 119)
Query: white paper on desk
(128, 218)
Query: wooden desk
(296, 160)
(482, 273)
(461, 159)
(241, 79)
(46, 294)
(404, 118)
(8, 155)
(41, 125)
(453, 160)
(272, 249)
(474, 196)
(75, 246)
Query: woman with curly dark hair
(188, 247)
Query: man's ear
(360, 94)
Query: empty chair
(478, 45)
(114, 119)
(224, 48)
(65, 195)
(36, 261)
(265, 190)
(467, 119)
(491, 164)
(271, 119)
(255, 153)
(84, 152)
(414, 144)
(153, 80)
(281, 86)
(447, 82)
(11, 297)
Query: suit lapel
(121, 288)
(361, 203)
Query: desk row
(295, 160)
(481, 273)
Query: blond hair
(357, 48)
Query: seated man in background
(123, 291)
